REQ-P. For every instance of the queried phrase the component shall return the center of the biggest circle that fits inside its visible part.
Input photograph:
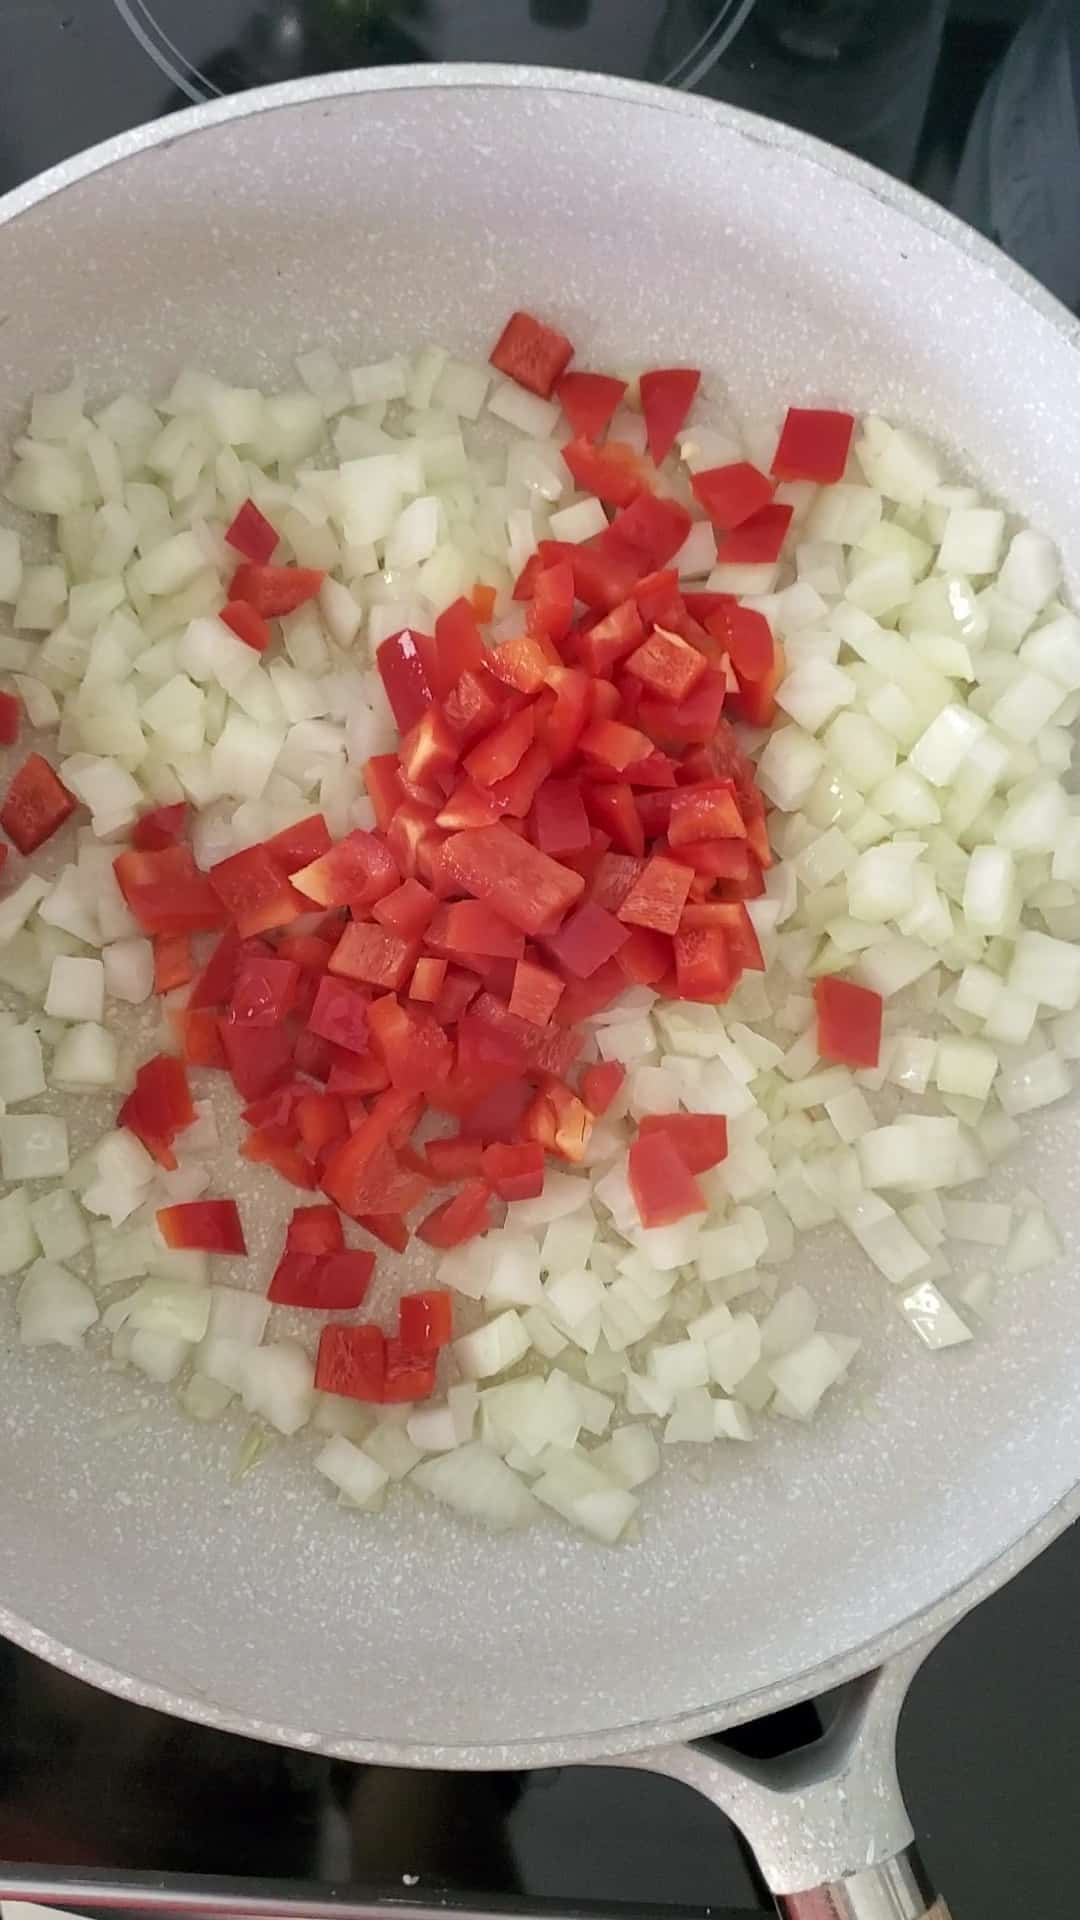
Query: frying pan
(372, 211)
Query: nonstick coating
(371, 212)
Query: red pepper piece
(686, 722)
(173, 962)
(426, 1321)
(167, 893)
(614, 472)
(382, 778)
(667, 666)
(247, 624)
(259, 1058)
(357, 871)
(704, 965)
(158, 1107)
(551, 609)
(667, 394)
(250, 533)
(454, 1157)
(700, 1139)
(210, 1226)
(559, 1121)
(536, 992)
(265, 991)
(458, 646)
(605, 573)
(374, 955)
(658, 897)
(848, 1022)
(611, 806)
(663, 1187)
(611, 638)
(587, 938)
(589, 400)
(408, 1376)
(351, 1361)
(746, 636)
(416, 1051)
(531, 353)
(527, 887)
(266, 1148)
(705, 813)
(467, 930)
(523, 663)
(390, 1228)
(214, 986)
(275, 590)
(559, 821)
(333, 1282)
(297, 846)
(814, 445)
(404, 674)
(613, 744)
(314, 1230)
(515, 1172)
(739, 931)
(459, 1219)
(197, 1033)
(733, 493)
(161, 827)
(406, 911)
(650, 531)
(600, 1084)
(320, 1118)
(36, 805)
(758, 540)
(499, 752)
(646, 957)
(10, 718)
(340, 1015)
(254, 892)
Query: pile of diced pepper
(568, 814)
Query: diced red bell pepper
(667, 395)
(275, 590)
(559, 821)
(353, 1075)
(314, 1230)
(259, 1058)
(615, 876)
(428, 977)
(663, 1187)
(646, 957)
(650, 531)
(515, 795)
(477, 704)
(588, 937)
(666, 665)
(657, 897)
(814, 445)
(604, 573)
(469, 806)
(328, 1282)
(173, 962)
(265, 991)
(536, 992)
(275, 1110)
(686, 722)
(733, 493)
(167, 893)
(356, 871)
(297, 846)
(161, 827)
(611, 806)
(320, 1118)
(522, 663)
(429, 751)
(705, 813)
(417, 1053)
(374, 955)
(197, 1033)
(247, 623)
(714, 860)
(526, 580)
(426, 1320)
(207, 1226)
(382, 778)
(704, 964)
(515, 1172)
(459, 1219)
(309, 951)
(551, 609)
(700, 1139)
(254, 891)
(214, 985)
(558, 1120)
(527, 887)
(407, 910)
(458, 645)
(746, 636)
(533, 354)
(755, 699)
(455, 1157)
(848, 1022)
(611, 638)
(458, 989)
(600, 1083)
(411, 835)
(559, 728)
(496, 755)
(36, 805)
(268, 1147)
(250, 533)
(483, 598)
(390, 1228)
(468, 929)
(614, 472)
(589, 401)
(158, 1107)
(351, 1361)
(658, 597)
(654, 770)
(340, 1014)
(739, 930)
(613, 744)
(404, 675)
(756, 541)
(10, 718)
(408, 1376)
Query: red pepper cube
(600, 1083)
(429, 751)
(320, 1118)
(160, 827)
(265, 1148)
(314, 1230)
(515, 795)
(215, 983)
(273, 591)
(407, 910)
(254, 892)
(515, 1172)
(426, 1321)
(705, 968)
(374, 955)
(403, 671)
(536, 992)
(814, 445)
(158, 1107)
(601, 646)
(173, 962)
(328, 1283)
(382, 778)
(848, 1022)
(531, 353)
(613, 744)
(587, 938)
(297, 846)
(615, 472)
(36, 805)
(429, 976)
(657, 897)
(700, 1139)
(610, 805)
(705, 813)
(459, 645)
(197, 1033)
(265, 991)
(589, 400)
(646, 958)
(340, 1015)
(747, 638)
(417, 1053)
(499, 752)
(740, 933)
(551, 609)
(250, 533)
(211, 1226)
(166, 892)
(650, 532)
(758, 540)
(733, 493)
(559, 1121)
(667, 395)
(459, 1219)
(247, 624)
(364, 1175)
(408, 1376)
(356, 872)
(560, 823)
(260, 1059)
(527, 887)
(455, 1157)
(663, 1187)
(390, 1228)
(10, 718)
(351, 1361)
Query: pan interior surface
(370, 217)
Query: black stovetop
(981, 116)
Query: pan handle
(827, 1824)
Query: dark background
(990, 1741)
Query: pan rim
(557, 1750)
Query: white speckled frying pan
(372, 211)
